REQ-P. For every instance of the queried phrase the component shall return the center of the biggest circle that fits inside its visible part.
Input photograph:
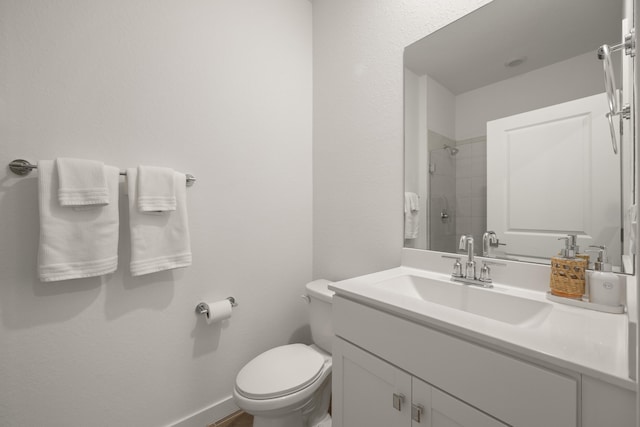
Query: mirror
(506, 131)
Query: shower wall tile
(478, 187)
(464, 187)
(464, 168)
(471, 189)
(464, 206)
(442, 194)
(478, 207)
(479, 167)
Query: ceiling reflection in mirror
(506, 131)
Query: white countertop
(584, 341)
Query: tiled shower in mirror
(457, 190)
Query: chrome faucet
(489, 243)
(458, 275)
(468, 277)
(466, 243)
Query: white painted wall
(218, 89)
(441, 110)
(221, 90)
(564, 81)
(415, 150)
(358, 146)
(411, 132)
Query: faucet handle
(457, 266)
(457, 269)
(485, 271)
(485, 274)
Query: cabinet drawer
(516, 392)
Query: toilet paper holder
(203, 307)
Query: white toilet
(290, 385)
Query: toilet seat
(279, 372)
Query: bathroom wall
(412, 120)
(218, 89)
(442, 197)
(358, 127)
(441, 113)
(416, 175)
(441, 192)
(471, 190)
(564, 81)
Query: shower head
(452, 150)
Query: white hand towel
(411, 215)
(156, 189)
(76, 243)
(411, 202)
(159, 241)
(82, 182)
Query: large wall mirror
(506, 131)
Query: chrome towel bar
(23, 167)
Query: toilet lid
(280, 371)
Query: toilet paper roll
(219, 310)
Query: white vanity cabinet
(604, 404)
(447, 411)
(371, 392)
(377, 355)
(366, 390)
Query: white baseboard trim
(209, 415)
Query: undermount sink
(489, 303)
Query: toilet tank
(320, 313)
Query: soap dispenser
(604, 286)
(571, 247)
(568, 270)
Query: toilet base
(325, 422)
(314, 413)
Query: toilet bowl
(290, 385)
(287, 386)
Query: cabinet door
(443, 410)
(604, 404)
(368, 391)
(421, 403)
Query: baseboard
(209, 415)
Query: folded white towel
(76, 243)
(159, 241)
(81, 182)
(411, 215)
(411, 202)
(156, 189)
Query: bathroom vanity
(493, 124)
(413, 348)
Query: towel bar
(23, 167)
